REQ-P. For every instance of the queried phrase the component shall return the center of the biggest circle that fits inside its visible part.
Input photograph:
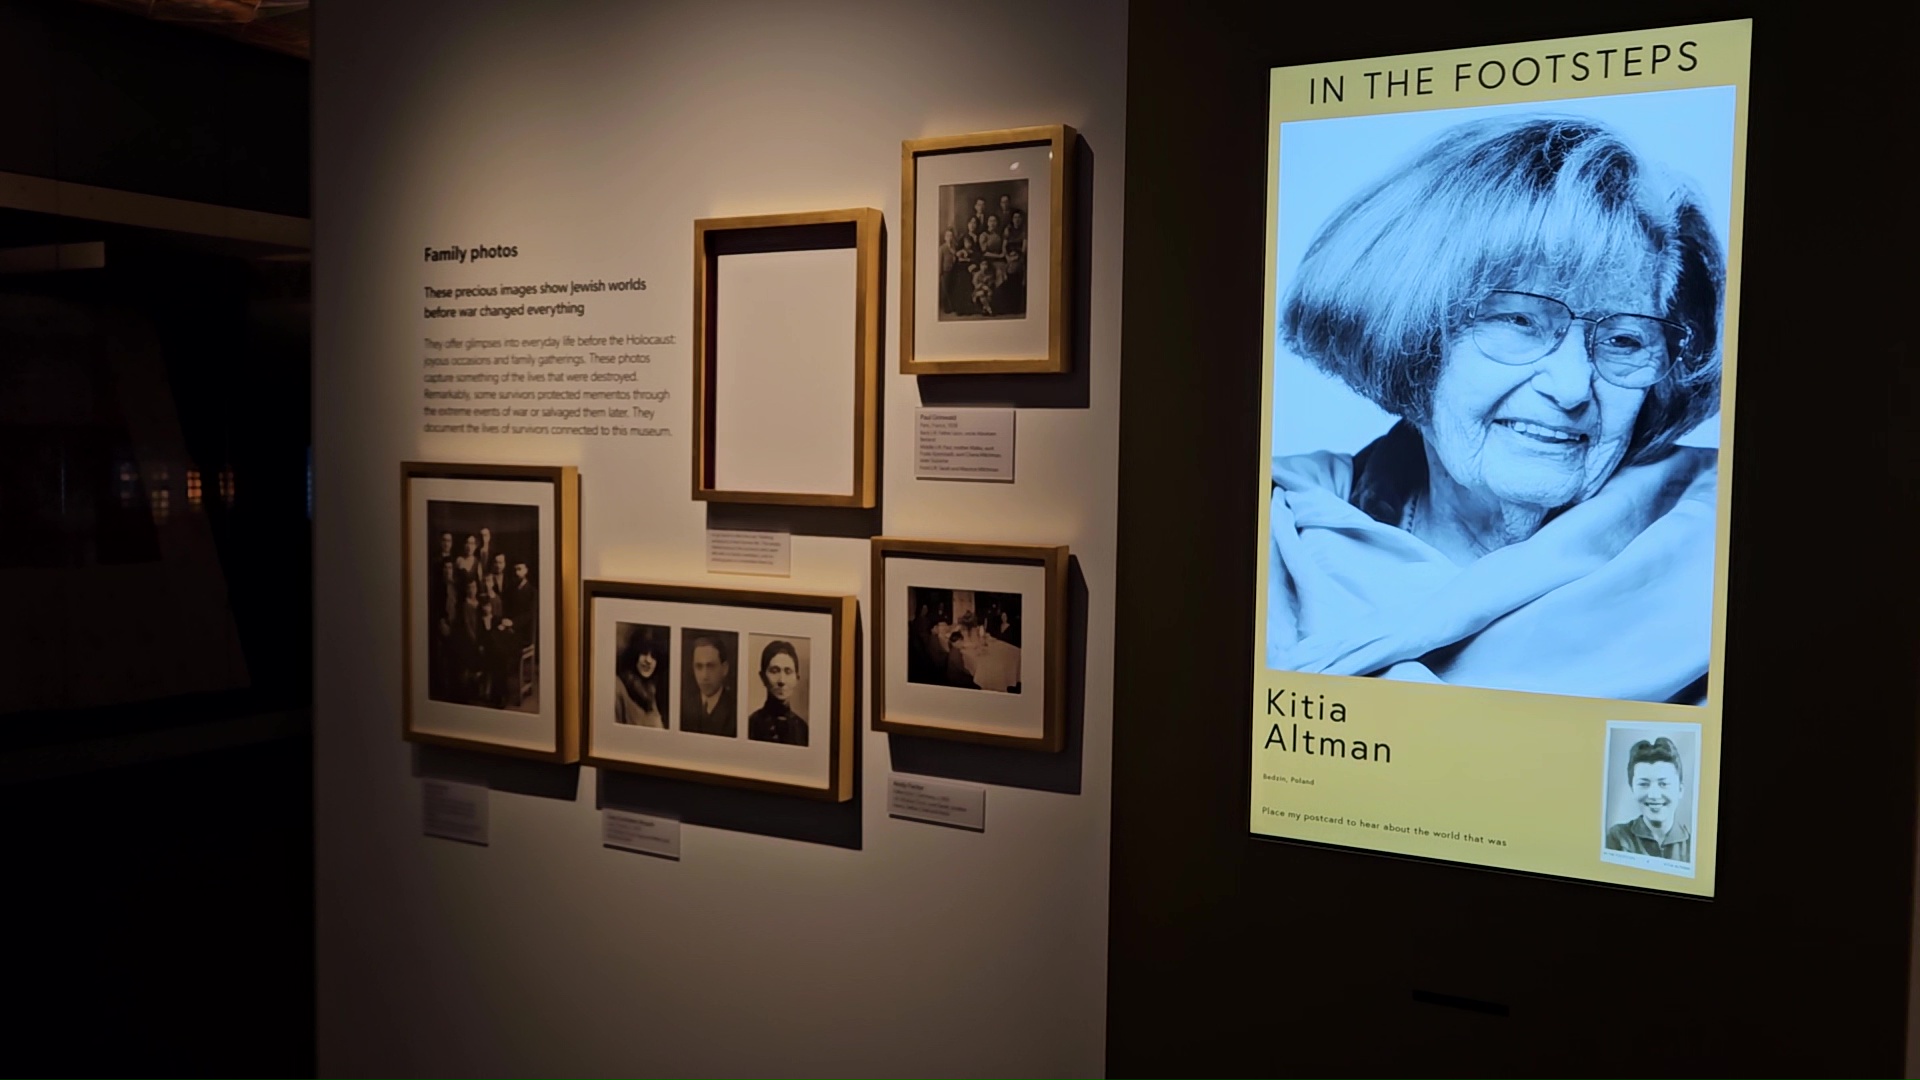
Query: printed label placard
(648, 834)
(750, 551)
(454, 811)
(917, 798)
(963, 444)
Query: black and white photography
(642, 667)
(709, 704)
(1497, 376)
(964, 639)
(484, 605)
(778, 696)
(1650, 800)
(983, 250)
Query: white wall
(592, 135)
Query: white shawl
(1613, 598)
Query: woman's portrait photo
(1496, 395)
(640, 667)
(779, 694)
(1650, 803)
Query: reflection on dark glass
(132, 399)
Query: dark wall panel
(102, 97)
(26, 71)
(1237, 956)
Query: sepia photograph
(986, 252)
(983, 664)
(641, 669)
(778, 695)
(1496, 395)
(983, 250)
(709, 704)
(964, 639)
(489, 572)
(762, 683)
(483, 596)
(1650, 803)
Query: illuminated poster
(1497, 449)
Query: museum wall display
(603, 783)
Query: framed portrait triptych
(740, 687)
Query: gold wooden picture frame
(747, 688)
(782, 312)
(490, 577)
(954, 625)
(968, 298)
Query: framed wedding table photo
(970, 641)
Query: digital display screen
(1497, 446)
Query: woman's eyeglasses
(1631, 351)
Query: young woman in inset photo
(1656, 785)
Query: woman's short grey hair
(1485, 205)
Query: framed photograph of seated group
(786, 334)
(987, 252)
(970, 641)
(490, 578)
(741, 687)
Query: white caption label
(963, 444)
(749, 551)
(454, 811)
(919, 799)
(649, 834)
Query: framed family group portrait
(970, 641)
(490, 580)
(786, 335)
(986, 252)
(741, 687)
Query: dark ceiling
(283, 26)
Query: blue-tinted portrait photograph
(1497, 392)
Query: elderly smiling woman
(1541, 311)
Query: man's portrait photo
(708, 701)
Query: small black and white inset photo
(983, 250)
(709, 705)
(642, 671)
(483, 603)
(1652, 796)
(778, 690)
(963, 638)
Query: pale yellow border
(1542, 734)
